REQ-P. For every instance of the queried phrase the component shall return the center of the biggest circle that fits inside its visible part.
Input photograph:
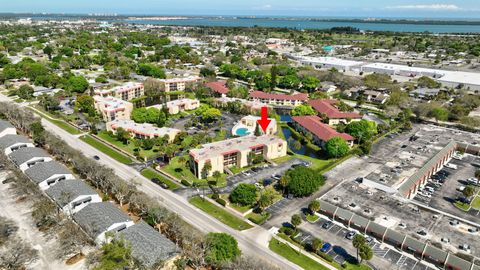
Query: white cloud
(433, 7)
(264, 7)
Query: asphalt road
(253, 242)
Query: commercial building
(142, 131)
(127, 91)
(331, 62)
(179, 105)
(326, 109)
(72, 195)
(459, 79)
(402, 70)
(100, 219)
(48, 174)
(320, 132)
(235, 152)
(179, 84)
(6, 128)
(248, 124)
(112, 108)
(406, 243)
(279, 99)
(10, 143)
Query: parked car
(96, 157)
(276, 176)
(369, 240)
(451, 166)
(350, 235)
(326, 247)
(327, 225)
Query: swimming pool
(242, 132)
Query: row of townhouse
(79, 201)
(424, 251)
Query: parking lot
(391, 257)
(444, 194)
(260, 174)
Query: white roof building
(331, 62)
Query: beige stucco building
(142, 131)
(178, 84)
(112, 108)
(179, 105)
(235, 152)
(127, 91)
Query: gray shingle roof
(25, 154)
(148, 246)
(65, 191)
(42, 171)
(9, 140)
(4, 125)
(95, 218)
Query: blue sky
(363, 8)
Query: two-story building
(142, 131)
(279, 99)
(326, 109)
(320, 132)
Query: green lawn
(292, 255)
(462, 206)
(258, 218)
(60, 123)
(128, 147)
(476, 203)
(150, 173)
(106, 149)
(179, 170)
(221, 214)
(312, 218)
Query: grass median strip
(107, 150)
(59, 123)
(221, 214)
(150, 173)
(292, 255)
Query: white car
(451, 166)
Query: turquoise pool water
(242, 132)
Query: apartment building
(179, 105)
(327, 108)
(112, 108)
(279, 99)
(320, 132)
(234, 152)
(179, 84)
(127, 91)
(142, 131)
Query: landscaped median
(150, 174)
(294, 256)
(219, 213)
(107, 150)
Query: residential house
(47, 174)
(72, 195)
(321, 133)
(425, 93)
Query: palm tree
(358, 241)
(314, 206)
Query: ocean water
(299, 23)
